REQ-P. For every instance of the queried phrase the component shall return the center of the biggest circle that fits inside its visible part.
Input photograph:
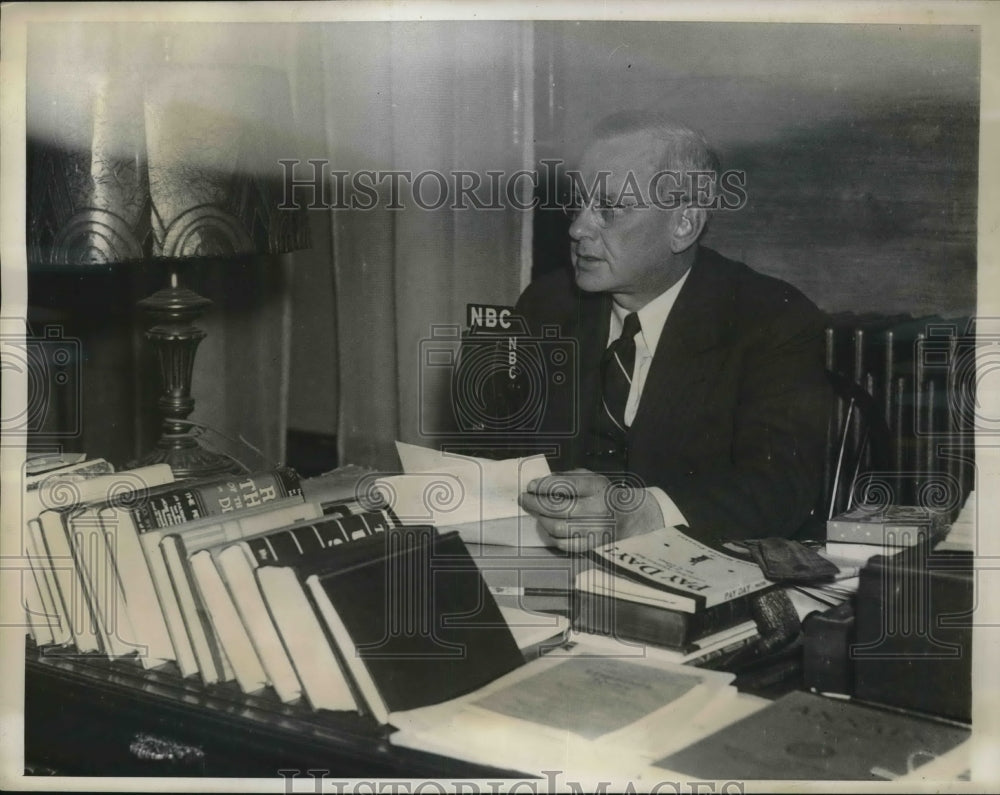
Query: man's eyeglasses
(605, 211)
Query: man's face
(631, 255)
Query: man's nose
(584, 224)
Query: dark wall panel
(859, 143)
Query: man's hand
(581, 509)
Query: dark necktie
(616, 376)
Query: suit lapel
(698, 322)
(591, 327)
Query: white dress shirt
(652, 317)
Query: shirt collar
(652, 317)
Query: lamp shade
(180, 162)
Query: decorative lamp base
(188, 459)
(175, 340)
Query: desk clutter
(326, 596)
(903, 637)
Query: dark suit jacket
(733, 417)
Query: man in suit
(711, 409)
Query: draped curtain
(419, 97)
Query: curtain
(419, 97)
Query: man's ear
(690, 223)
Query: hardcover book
(95, 568)
(854, 555)
(223, 504)
(49, 489)
(214, 497)
(893, 525)
(319, 664)
(175, 547)
(413, 620)
(71, 472)
(616, 615)
(237, 613)
(41, 619)
(664, 588)
(676, 571)
(54, 541)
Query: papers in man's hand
(475, 496)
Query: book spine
(35, 613)
(237, 572)
(191, 502)
(604, 615)
(167, 599)
(102, 585)
(227, 623)
(69, 583)
(894, 533)
(45, 579)
(77, 473)
(324, 681)
(199, 629)
(236, 527)
(291, 544)
(339, 638)
(141, 601)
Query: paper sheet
(476, 496)
(576, 706)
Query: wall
(860, 144)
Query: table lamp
(173, 166)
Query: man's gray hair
(684, 148)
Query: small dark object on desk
(784, 560)
(827, 636)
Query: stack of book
(670, 590)
(852, 538)
(265, 580)
(49, 482)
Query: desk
(82, 714)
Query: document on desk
(585, 706)
(807, 737)
(478, 497)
